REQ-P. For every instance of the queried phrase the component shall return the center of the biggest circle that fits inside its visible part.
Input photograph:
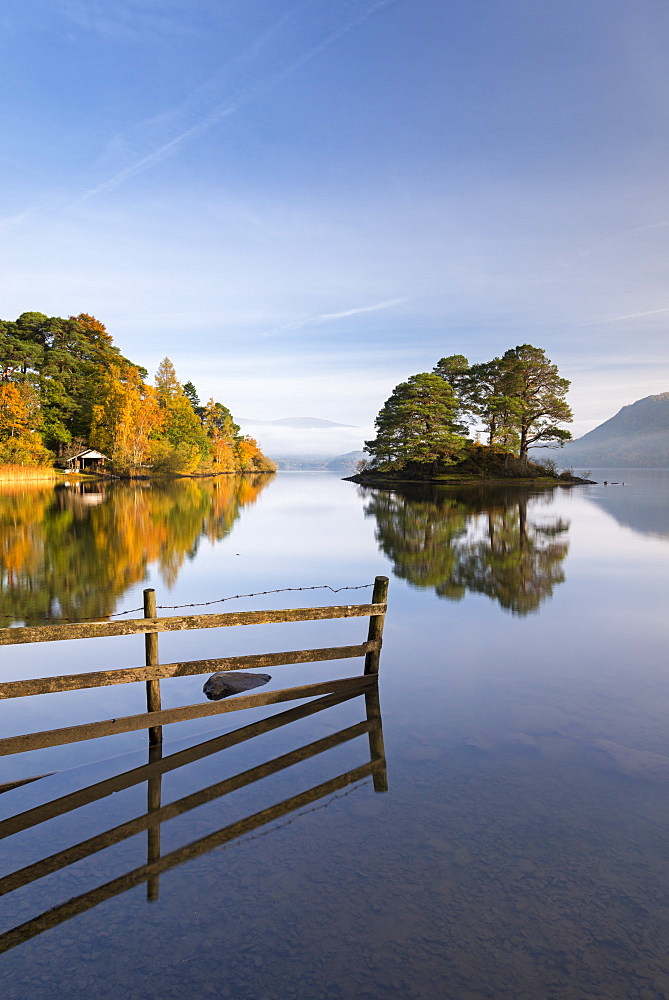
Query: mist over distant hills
(308, 438)
(343, 464)
(305, 422)
(636, 437)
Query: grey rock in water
(227, 682)
(478, 742)
(642, 764)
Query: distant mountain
(636, 437)
(344, 464)
(348, 462)
(301, 422)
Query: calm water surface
(522, 847)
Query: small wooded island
(67, 391)
(517, 400)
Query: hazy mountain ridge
(339, 463)
(636, 436)
(303, 422)
(299, 440)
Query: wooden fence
(153, 672)
(156, 815)
(323, 695)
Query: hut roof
(88, 453)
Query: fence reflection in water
(158, 814)
(324, 695)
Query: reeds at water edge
(19, 473)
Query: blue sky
(303, 203)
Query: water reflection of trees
(71, 552)
(485, 541)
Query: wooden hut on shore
(88, 460)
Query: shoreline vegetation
(65, 388)
(483, 465)
(27, 473)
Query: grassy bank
(26, 473)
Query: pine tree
(535, 397)
(417, 424)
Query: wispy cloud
(330, 317)
(235, 102)
(125, 20)
(388, 304)
(619, 319)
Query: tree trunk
(522, 452)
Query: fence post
(377, 753)
(379, 596)
(151, 647)
(154, 794)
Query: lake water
(522, 847)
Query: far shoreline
(465, 479)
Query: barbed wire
(261, 593)
(242, 839)
(199, 604)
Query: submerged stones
(545, 736)
(538, 719)
(227, 682)
(644, 764)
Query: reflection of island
(484, 541)
(71, 553)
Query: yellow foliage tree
(219, 431)
(19, 410)
(251, 459)
(125, 418)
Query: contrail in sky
(328, 317)
(233, 105)
(324, 317)
(618, 319)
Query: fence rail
(153, 671)
(157, 814)
(187, 668)
(177, 623)
(321, 695)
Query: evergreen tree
(417, 424)
(64, 384)
(191, 394)
(519, 399)
(535, 397)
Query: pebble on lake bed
(226, 682)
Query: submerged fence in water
(156, 815)
(324, 695)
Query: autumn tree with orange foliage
(251, 459)
(64, 386)
(19, 409)
(125, 419)
(220, 429)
